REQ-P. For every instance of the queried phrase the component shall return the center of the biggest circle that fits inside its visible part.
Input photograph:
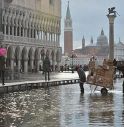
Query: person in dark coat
(46, 67)
(82, 77)
(2, 68)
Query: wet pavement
(63, 106)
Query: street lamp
(72, 61)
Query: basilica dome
(102, 40)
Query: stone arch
(24, 57)
(31, 53)
(36, 59)
(17, 55)
(58, 55)
(24, 53)
(30, 59)
(10, 56)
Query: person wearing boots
(82, 77)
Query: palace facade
(30, 30)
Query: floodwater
(63, 106)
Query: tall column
(111, 35)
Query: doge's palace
(30, 30)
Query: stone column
(29, 33)
(8, 29)
(12, 68)
(37, 33)
(13, 30)
(111, 35)
(20, 31)
(19, 65)
(4, 28)
(25, 66)
(58, 66)
(16, 30)
(37, 65)
(25, 32)
(12, 64)
(32, 64)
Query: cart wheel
(104, 91)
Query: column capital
(111, 18)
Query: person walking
(2, 68)
(82, 77)
(46, 67)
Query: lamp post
(72, 61)
(66, 63)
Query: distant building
(119, 50)
(68, 33)
(100, 49)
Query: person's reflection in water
(84, 109)
(47, 99)
(102, 109)
(2, 111)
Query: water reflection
(62, 106)
(100, 110)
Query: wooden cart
(102, 76)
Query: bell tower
(68, 33)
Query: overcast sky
(89, 17)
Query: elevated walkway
(37, 80)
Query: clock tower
(68, 33)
